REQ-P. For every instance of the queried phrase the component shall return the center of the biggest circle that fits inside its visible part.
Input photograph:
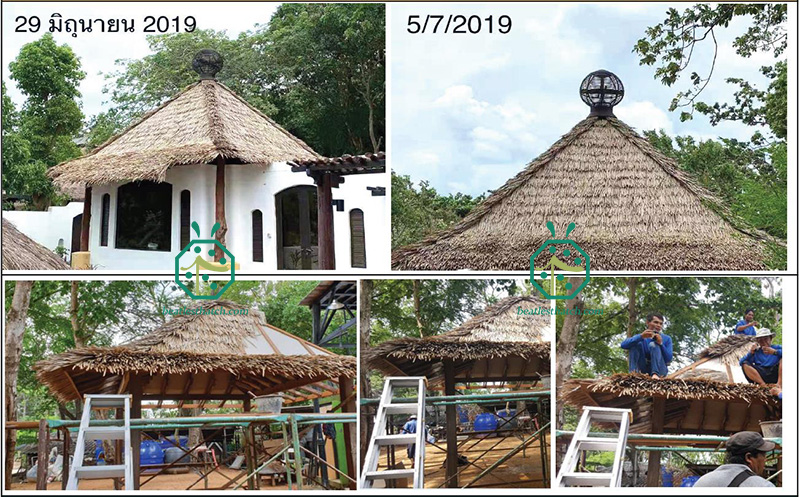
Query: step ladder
(381, 438)
(77, 470)
(582, 441)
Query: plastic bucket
(772, 429)
(271, 404)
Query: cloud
(644, 116)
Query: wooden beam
(43, 455)
(85, 220)
(451, 422)
(72, 384)
(327, 254)
(209, 386)
(163, 390)
(347, 400)
(136, 435)
(219, 206)
(654, 458)
(186, 388)
(65, 461)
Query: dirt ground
(518, 472)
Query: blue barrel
(168, 442)
(485, 422)
(507, 414)
(689, 481)
(150, 452)
(666, 477)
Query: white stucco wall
(249, 187)
(47, 227)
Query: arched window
(144, 216)
(105, 207)
(258, 236)
(296, 212)
(358, 244)
(186, 217)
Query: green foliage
(418, 213)
(697, 311)
(671, 44)
(751, 180)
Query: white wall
(47, 227)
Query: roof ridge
(215, 123)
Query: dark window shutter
(186, 217)
(258, 236)
(358, 249)
(106, 207)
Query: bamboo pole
(298, 467)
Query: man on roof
(746, 459)
(746, 326)
(650, 351)
(763, 364)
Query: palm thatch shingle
(20, 253)
(633, 207)
(208, 353)
(729, 350)
(502, 342)
(204, 121)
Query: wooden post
(65, 461)
(119, 448)
(451, 422)
(654, 457)
(87, 215)
(327, 254)
(43, 455)
(348, 403)
(135, 388)
(219, 209)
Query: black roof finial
(602, 90)
(207, 63)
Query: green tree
(48, 75)
(671, 45)
(421, 212)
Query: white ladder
(380, 437)
(583, 441)
(77, 470)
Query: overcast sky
(98, 51)
(470, 111)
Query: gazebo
(224, 352)
(20, 253)
(633, 208)
(502, 347)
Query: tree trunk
(417, 311)
(73, 315)
(633, 284)
(567, 340)
(364, 330)
(15, 331)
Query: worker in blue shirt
(411, 427)
(650, 351)
(763, 364)
(746, 326)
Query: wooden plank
(654, 459)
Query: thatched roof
(633, 207)
(203, 355)
(730, 349)
(204, 121)
(498, 344)
(691, 405)
(20, 253)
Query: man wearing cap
(746, 459)
(650, 351)
(763, 364)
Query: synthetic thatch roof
(204, 355)
(633, 207)
(691, 405)
(22, 253)
(502, 343)
(204, 121)
(730, 349)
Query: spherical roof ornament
(207, 63)
(601, 91)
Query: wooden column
(327, 253)
(249, 447)
(219, 205)
(65, 461)
(43, 455)
(135, 389)
(654, 457)
(348, 402)
(451, 421)
(87, 215)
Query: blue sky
(470, 111)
